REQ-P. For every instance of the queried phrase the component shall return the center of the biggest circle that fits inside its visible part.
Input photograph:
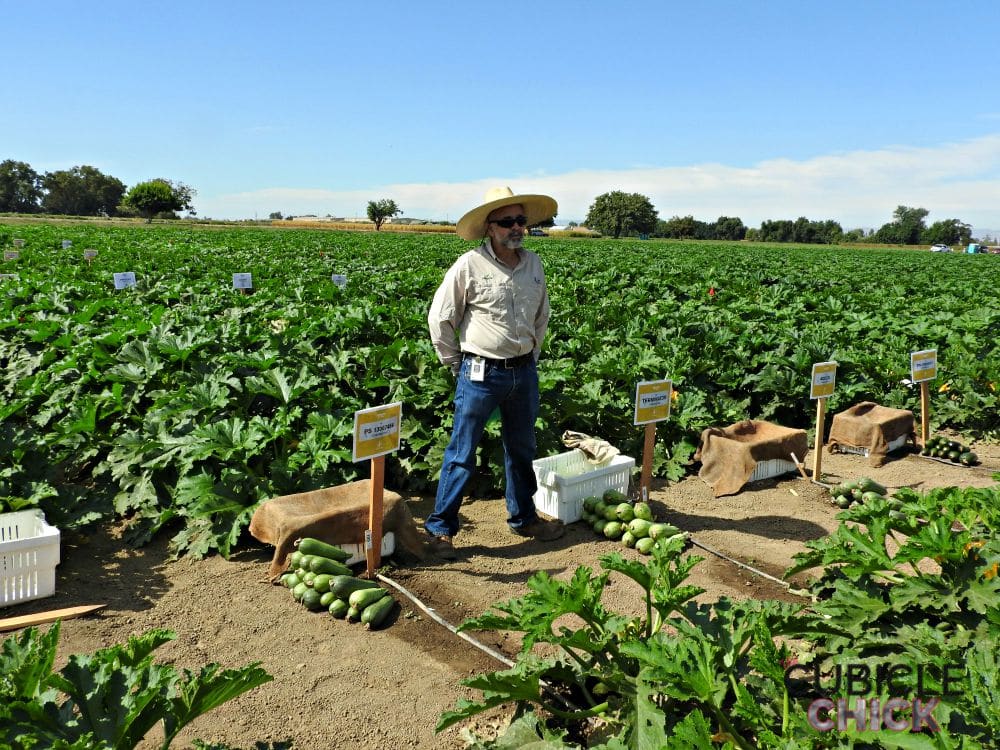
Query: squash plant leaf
(197, 694)
(25, 662)
(548, 599)
(650, 719)
(521, 683)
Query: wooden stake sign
(923, 369)
(243, 282)
(124, 280)
(652, 405)
(824, 378)
(376, 433)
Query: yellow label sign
(923, 365)
(824, 378)
(376, 431)
(652, 401)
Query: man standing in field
(487, 322)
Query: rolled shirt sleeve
(445, 315)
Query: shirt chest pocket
(494, 297)
(529, 298)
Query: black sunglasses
(510, 221)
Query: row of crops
(180, 403)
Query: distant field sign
(124, 280)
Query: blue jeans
(515, 393)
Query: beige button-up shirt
(487, 308)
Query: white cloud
(858, 188)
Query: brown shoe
(442, 547)
(543, 531)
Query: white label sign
(652, 401)
(18, 242)
(67, 244)
(376, 431)
(10, 276)
(125, 280)
(339, 279)
(11, 255)
(242, 281)
(89, 254)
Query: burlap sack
(729, 455)
(336, 515)
(868, 425)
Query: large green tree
(947, 232)
(681, 228)
(158, 196)
(81, 191)
(906, 227)
(379, 211)
(728, 228)
(617, 213)
(20, 187)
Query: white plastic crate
(772, 468)
(357, 551)
(29, 553)
(565, 479)
(893, 445)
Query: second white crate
(892, 446)
(565, 479)
(29, 553)
(772, 468)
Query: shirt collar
(488, 246)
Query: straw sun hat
(537, 208)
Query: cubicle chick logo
(875, 695)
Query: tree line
(86, 191)
(618, 214)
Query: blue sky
(762, 110)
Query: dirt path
(336, 685)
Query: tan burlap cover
(868, 425)
(729, 455)
(336, 515)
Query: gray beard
(513, 243)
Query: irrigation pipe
(755, 571)
(429, 611)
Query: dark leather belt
(507, 364)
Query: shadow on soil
(97, 567)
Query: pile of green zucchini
(852, 492)
(319, 579)
(612, 516)
(949, 450)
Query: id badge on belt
(477, 370)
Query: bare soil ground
(336, 685)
